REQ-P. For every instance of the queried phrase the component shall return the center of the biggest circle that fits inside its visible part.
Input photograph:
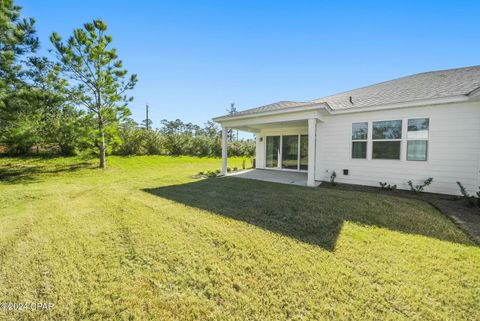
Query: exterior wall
(453, 149)
(260, 151)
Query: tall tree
(98, 80)
(21, 121)
(62, 123)
(230, 134)
(17, 38)
(37, 113)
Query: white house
(411, 128)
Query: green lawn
(144, 241)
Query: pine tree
(98, 80)
(17, 38)
(18, 128)
(231, 110)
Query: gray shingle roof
(272, 107)
(427, 85)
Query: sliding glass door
(287, 152)
(304, 152)
(290, 151)
(273, 151)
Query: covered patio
(275, 176)
(286, 141)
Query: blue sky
(193, 58)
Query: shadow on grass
(311, 215)
(23, 173)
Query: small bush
(332, 178)
(235, 169)
(421, 187)
(217, 171)
(387, 187)
(211, 174)
(469, 199)
(200, 173)
(229, 169)
(478, 197)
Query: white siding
(260, 152)
(453, 149)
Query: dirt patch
(454, 207)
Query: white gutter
(414, 103)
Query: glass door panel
(273, 151)
(304, 152)
(290, 151)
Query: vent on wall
(345, 172)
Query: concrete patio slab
(275, 176)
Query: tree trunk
(102, 148)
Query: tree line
(77, 100)
(178, 138)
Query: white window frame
(427, 140)
(401, 152)
(360, 141)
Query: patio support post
(224, 150)
(312, 131)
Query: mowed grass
(143, 240)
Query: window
(417, 136)
(387, 136)
(359, 140)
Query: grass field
(144, 241)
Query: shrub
(387, 187)
(200, 173)
(211, 174)
(217, 171)
(478, 197)
(229, 169)
(241, 148)
(235, 169)
(332, 178)
(469, 199)
(421, 187)
(153, 142)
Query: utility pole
(147, 123)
